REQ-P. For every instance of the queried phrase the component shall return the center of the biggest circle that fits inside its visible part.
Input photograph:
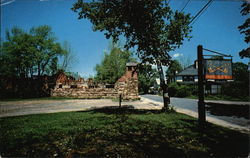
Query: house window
(60, 85)
(188, 78)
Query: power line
(185, 5)
(201, 11)
(201, 14)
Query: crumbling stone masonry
(127, 86)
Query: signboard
(218, 69)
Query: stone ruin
(127, 86)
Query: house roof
(190, 70)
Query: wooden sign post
(216, 69)
(201, 103)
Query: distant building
(188, 75)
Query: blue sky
(216, 29)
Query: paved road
(225, 115)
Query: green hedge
(178, 90)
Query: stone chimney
(127, 85)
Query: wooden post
(201, 104)
(120, 101)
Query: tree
(147, 76)
(23, 54)
(46, 48)
(245, 29)
(113, 65)
(149, 25)
(17, 55)
(173, 69)
(68, 57)
(240, 72)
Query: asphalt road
(221, 112)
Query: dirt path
(17, 108)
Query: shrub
(176, 90)
(172, 89)
(183, 91)
(235, 89)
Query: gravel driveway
(16, 108)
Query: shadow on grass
(122, 132)
(126, 109)
(228, 110)
(183, 133)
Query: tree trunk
(39, 69)
(166, 99)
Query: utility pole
(201, 104)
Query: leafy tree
(113, 65)
(173, 69)
(240, 87)
(147, 76)
(240, 72)
(150, 25)
(23, 54)
(245, 29)
(17, 55)
(46, 47)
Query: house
(188, 75)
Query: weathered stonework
(127, 86)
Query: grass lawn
(117, 133)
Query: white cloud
(176, 55)
(4, 2)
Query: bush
(235, 89)
(183, 91)
(176, 90)
(172, 89)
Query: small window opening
(73, 86)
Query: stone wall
(127, 86)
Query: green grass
(117, 133)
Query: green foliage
(236, 89)
(105, 132)
(172, 89)
(240, 87)
(113, 65)
(24, 54)
(240, 72)
(173, 68)
(146, 78)
(245, 29)
(181, 90)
